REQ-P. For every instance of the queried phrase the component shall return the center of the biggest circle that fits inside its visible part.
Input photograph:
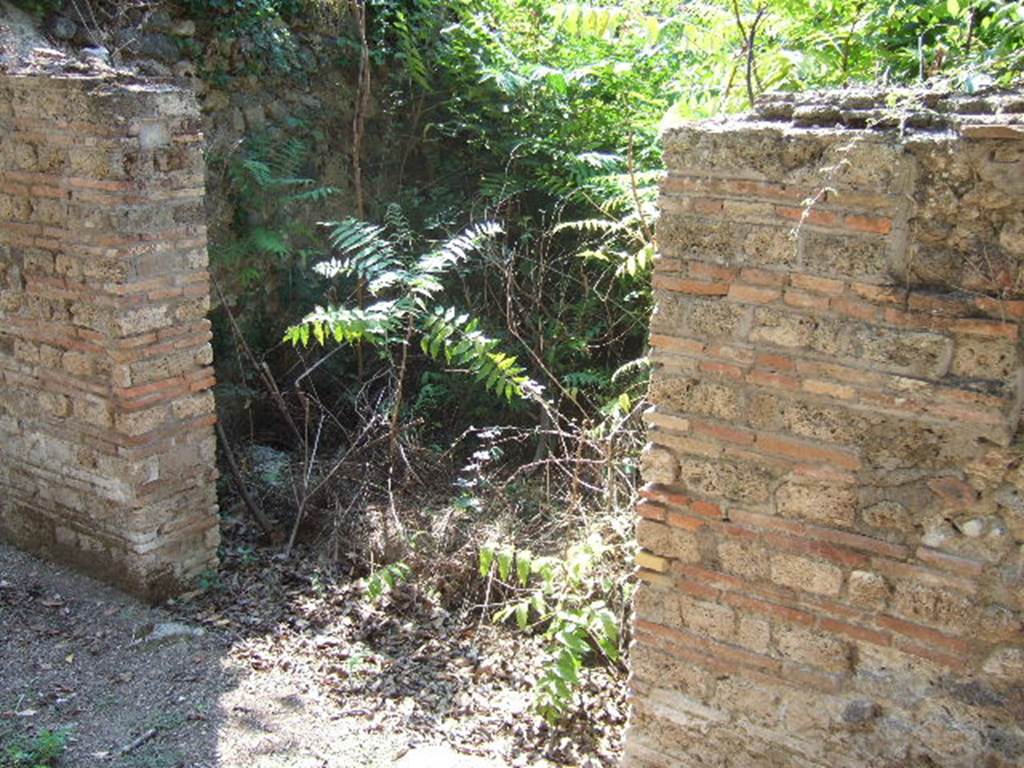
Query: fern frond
(634, 262)
(635, 367)
(591, 226)
(366, 253)
(344, 325)
(397, 225)
(314, 195)
(496, 188)
(588, 379)
(410, 47)
(587, 20)
(286, 157)
(268, 241)
(457, 248)
(457, 340)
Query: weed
(567, 599)
(42, 751)
(385, 579)
(208, 580)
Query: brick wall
(106, 413)
(832, 528)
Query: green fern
(345, 325)
(270, 238)
(364, 251)
(458, 341)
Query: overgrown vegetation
(564, 597)
(41, 751)
(512, 242)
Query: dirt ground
(277, 664)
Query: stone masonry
(106, 412)
(832, 531)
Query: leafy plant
(386, 578)
(268, 188)
(260, 27)
(567, 600)
(42, 751)
(405, 286)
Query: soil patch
(277, 664)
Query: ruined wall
(832, 531)
(106, 413)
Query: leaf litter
(295, 666)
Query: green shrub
(568, 600)
(42, 751)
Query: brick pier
(833, 524)
(106, 413)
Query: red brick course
(844, 523)
(106, 330)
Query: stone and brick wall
(832, 531)
(106, 413)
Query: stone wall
(832, 528)
(106, 414)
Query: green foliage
(208, 580)
(406, 287)
(262, 255)
(456, 339)
(566, 599)
(800, 44)
(386, 578)
(546, 116)
(42, 751)
(39, 7)
(267, 44)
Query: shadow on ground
(292, 669)
(79, 657)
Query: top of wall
(988, 114)
(116, 101)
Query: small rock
(973, 528)
(184, 68)
(153, 135)
(161, 47)
(184, 28)
(1012, 238)
(659, 465)
(166, 632)
(61, 28)
(152, 68)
